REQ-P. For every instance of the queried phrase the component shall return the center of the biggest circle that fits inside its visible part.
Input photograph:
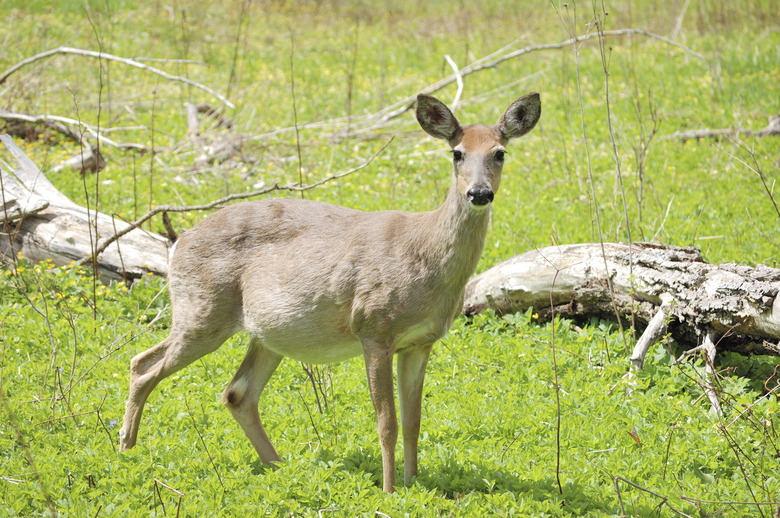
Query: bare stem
(64, 125)
(203, 442)
(169, 488)
(459, 79)
(295, 110)
(557, 390)
(569, 28)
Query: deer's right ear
(436, 119)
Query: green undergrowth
(489, 438)
(504, 432)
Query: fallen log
(658, 288)
(42, 223)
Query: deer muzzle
(479, 196)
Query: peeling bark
(43, 223)
(738, 304)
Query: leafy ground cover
(494, 439)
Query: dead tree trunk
(658, 288)
(42, 223)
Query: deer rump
(268, 256)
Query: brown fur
(320, 283)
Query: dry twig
(67, 126)
(772, 129)
(495, 59)
(294, 187)
(111, 57)
(386, 115)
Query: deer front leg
(379, 368)
(411, 374)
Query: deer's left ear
(521, 116)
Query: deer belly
(424, 333)
(316, 348)
(309, 336)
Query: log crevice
(738, 304)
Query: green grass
(489, 431)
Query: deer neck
(453, 237)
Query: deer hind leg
(242, 395)
(411, 374)
(379, 368)
(150, 367)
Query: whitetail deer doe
(321, 283)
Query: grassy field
(494, 441)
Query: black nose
(480, 197)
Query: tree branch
(294, 187)
(111, 57)
(385, 115)
(491, 61)
(652, 334)
(772, 129)
(64, 125)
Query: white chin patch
(479, 208)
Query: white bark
(710, 351)
(656, 328)
(738, 304)
(772, 129)
(45, 224)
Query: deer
(320, 283)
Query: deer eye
(499, 155)
(457, 155)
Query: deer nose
(479, 196)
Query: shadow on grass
(454, 479)
(257, 466)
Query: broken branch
(772, 129)
(64, 125)
(111, 57)
(232, 197)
